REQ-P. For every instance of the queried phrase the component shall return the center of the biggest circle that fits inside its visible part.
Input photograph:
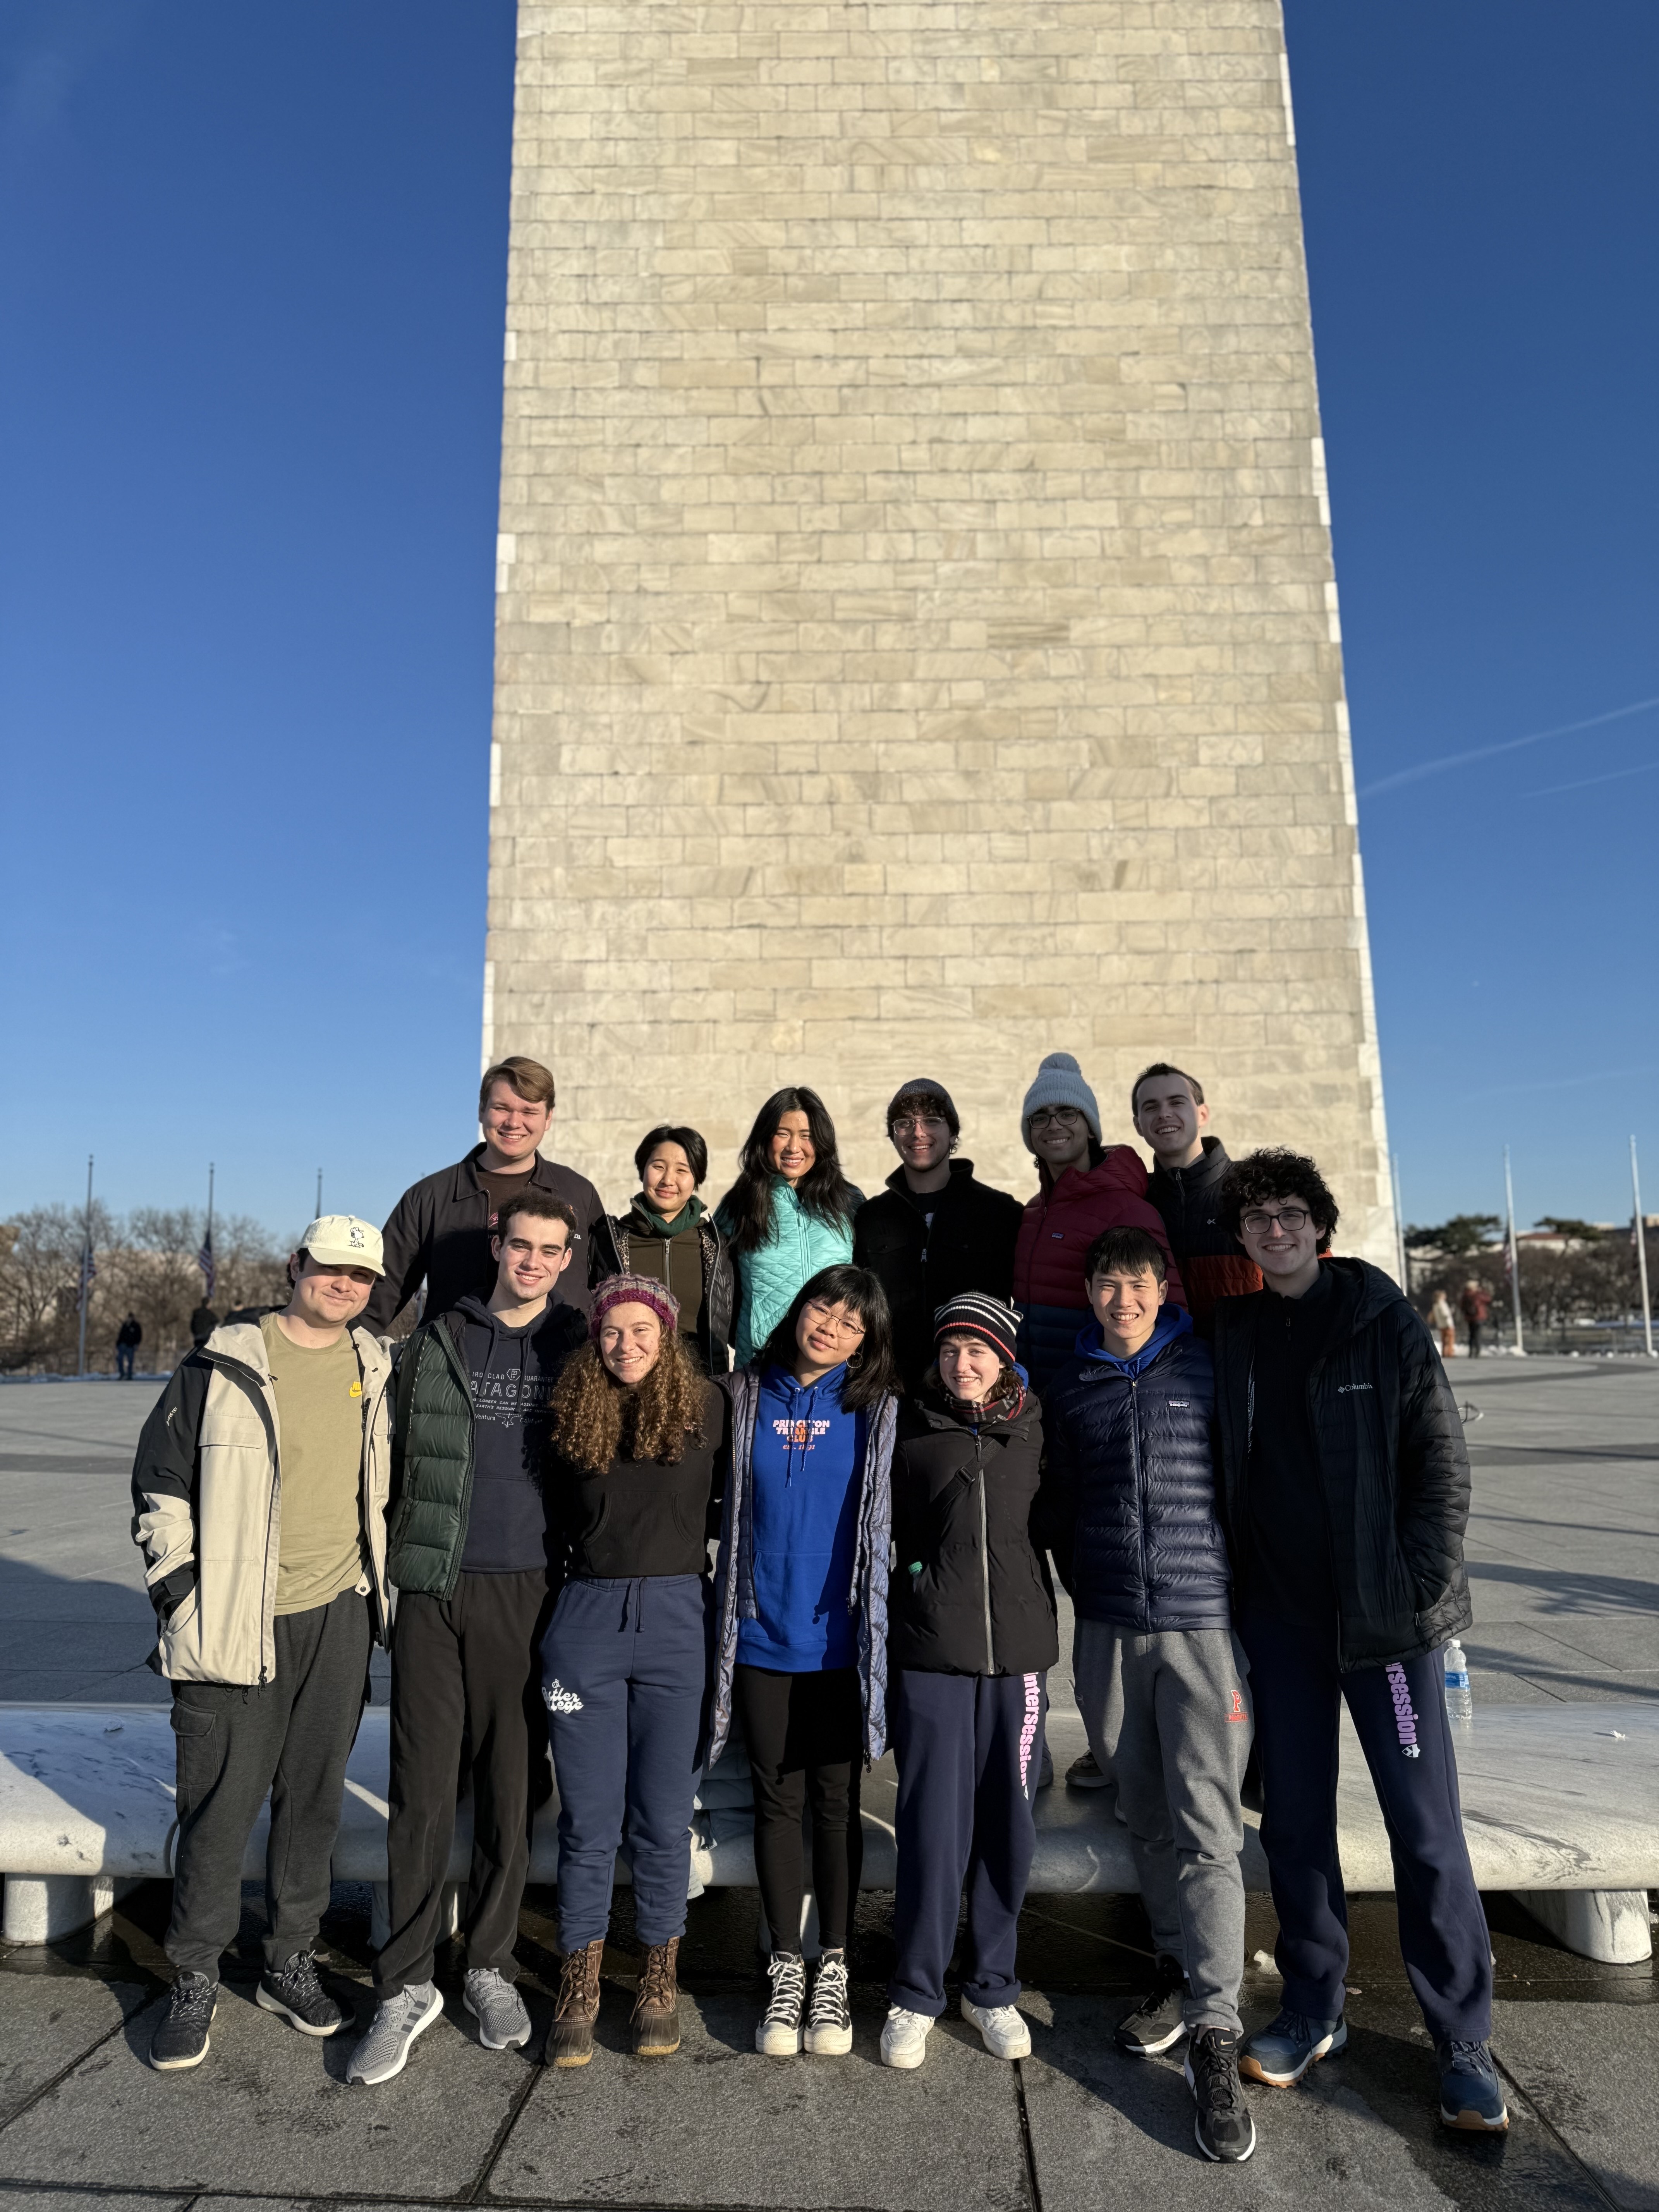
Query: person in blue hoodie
(1128, 1510)
(801, 1611)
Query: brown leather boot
(655, 2026)
(570, 2038)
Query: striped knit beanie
(1060, 1083)
(976, 1313)
(633, 1291)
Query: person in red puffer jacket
(1082, 1189)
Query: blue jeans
(123, 1363)
(624, 1674)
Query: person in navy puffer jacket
(1128, 1510)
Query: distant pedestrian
(128, 1338)
(1443, 1324)
(970, 1639)
(266, 1564)
(1167, 1107)
(202, 1322)
(440, 1229)
(469, 1550)
(789, 1214)
(669, 1233)
(1345, 1487)
(936, 1231)
(639, 1453)
(1476, 1305)
(1083, 1188)
(800, 1603)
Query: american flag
(89, 1269)
(204, 1261)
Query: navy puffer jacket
(1128, 1505)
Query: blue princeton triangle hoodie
(804, 1473)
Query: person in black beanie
(936, 1231)
(971, 1636)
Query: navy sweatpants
(970, 1749)
(623, 1669)
(1400, 1713)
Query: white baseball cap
(340, 1240)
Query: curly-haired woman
(788, 1214)
(802, 1605)
(638, 1444)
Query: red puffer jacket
(1060, 1224)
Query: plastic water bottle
(1460, 1702)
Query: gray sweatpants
(1169, 1719)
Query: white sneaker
(829, 2015)
(779, 2034)
(1002, 2028)
(904, 2037)
(384, 2052)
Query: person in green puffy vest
(788, 1215)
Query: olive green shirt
(319, 1420)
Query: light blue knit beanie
(1060, 1083)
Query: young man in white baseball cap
(259, 1494)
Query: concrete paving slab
(81, 2200)
(1591, 2070)
(717, 2124)
(46, 2025)
(271, 2107)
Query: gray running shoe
(1084, 1774)
(398, 2021)
(503, 2023)
(181, 2034)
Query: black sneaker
(181, 2034)
(1155, 2023)
(293, 1991)
(1224, 2130)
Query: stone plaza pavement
(1565, 1564)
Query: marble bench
(1560, 1806)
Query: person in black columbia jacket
(1345, 1493)
(1129, 1511)
(936, 1231)
(970, 1637)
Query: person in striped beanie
(971, 1636)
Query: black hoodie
(512, 1372)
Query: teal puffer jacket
(800, 1245)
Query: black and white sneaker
(1224, 2128)
(1156, 2022)
(181, 2034)
(293, 1991)
(830, 2016)
(778, 2035)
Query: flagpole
(1400, 1233)
(209, 1226)
(86, 1254)
(1641, 1248)
(1515, 1256)
(318, 1213)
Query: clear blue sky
(252, 277)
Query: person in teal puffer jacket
(788, 1214)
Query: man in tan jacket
(259, 1494)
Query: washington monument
(917, 645)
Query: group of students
(884, 1417)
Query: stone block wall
(917, 644)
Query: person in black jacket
(970, 1637)
(1129, 1511)
(670, 1233)
(440, 1229)
(1345, 1493)
(935, 1231)
(128, 1338)
(1167, 1110)
(640, 1442)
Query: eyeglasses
(1061, 1117)
(1289, 1217)
(908, 1124)
(832, 1323)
